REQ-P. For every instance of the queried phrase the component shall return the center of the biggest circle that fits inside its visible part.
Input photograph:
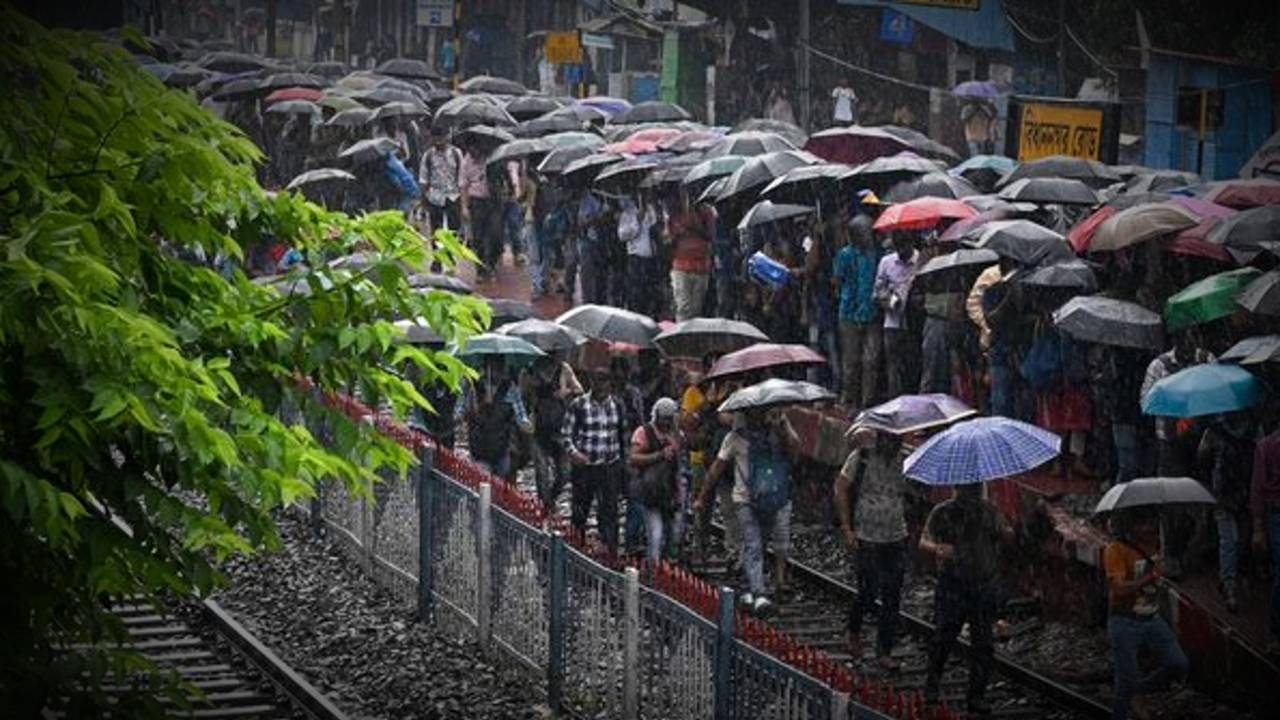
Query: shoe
(978, 707)
(762, 607)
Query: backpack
(652, 485)
(769, 474)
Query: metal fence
(606, 645)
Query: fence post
(555, 625)
(366, 533)
(724, 653)
(426, 516)
(484, 581)
(631, 645)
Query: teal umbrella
(1206, 389)
(516, 351)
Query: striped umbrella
(979, 450)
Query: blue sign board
(896, 27)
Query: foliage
(141, 439)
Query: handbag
(652, 487)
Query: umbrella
(1248, 233)
(518, 150)
(293, 80)
(712, 169)
(1262, 295)
(933, 184)
(510, 347)
(1139, 224)
(557, 160)
(1106, 321)
(1024, 242)
(791, 132)
(327, 68)
(645, 141)
(186, 75)
(1159, 180)
(295, 107)
(979, 450)
(1206, 389)
(768, 212)
(699, 336)
(625, 176)
(400, 109)
(922, 213)
(233, 62)
(970, 227)
(1073, 274)
(418, 332)
(505, 311)
(546, 335)
(584, 170)
(1081, 234)
(611, 324)
(1124, 201)
(761, 356)
(651, 111)
(294, 93)
(1047, 191)
(470, 110)
(368, 150)
(1253, 350)
(672, 173)
(587, 114)
(854, 144)
(987, 203)
(440, 281)
(1158, 491)
(483, 136)
(761, 170)
(408, 68)
(774, 392)
(1207, 299)
(984, 165)
(319, 175)
(239, 88)
(807, 183)
(976, 89)
(528, 107)
(891, 168)
(688, 141)
(547, 124)
(1091, 172)
(492, 85)
(908, 414)
(966, 260)
(573, 137)
(1245, 193)
(359, 80)
(338, 103)
(604, 103)
(354, 117)
(749, 143)
(383, 95)
(712, 191)
(921, 143)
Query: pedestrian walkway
(511, 281)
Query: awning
(985, 27)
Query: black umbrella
(1161, 181)
(440, 281)
(528, 107)
(548, 124)
(492, 85)
(545, 335)
(766, 212)
(1129, 200)
(1248, 233)
(695, 338)
(1049, 191)
(530, 148)
(921, 143)
(893, 168)
(1024, 242)
(395, 83)
(761, 170)
(419, 332)
(400, 109)
(708, 171)
(671, 174)
(354, 117)
(1262, 295)
(436, 97)
(808, 183)
(186, 75)
(557, 160)
(581, 113)
(471, 110)
(321, 185)
(1253, 350)
(583, 170)
(368, 150)
(1091, 172)
(963, 261)
(775, 392)
(934, 184)
(238, 89)
(233, 62)
(294, 79)
(712, 191)
(1154, 492)
(294, 107)
(625, 176)
(331, 69)
(383, 95)
(749, 143)
(611, 324)
(504, 311)
(652, 111)
(1107, 321)
(793, 133)
(408, 68)
(483, 136)
(1073, 274)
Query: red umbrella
(1246, 193)
(763, 355)
(1082, 234)
(294, 93)
(922, 213)
(644, 141)
(1182, 244)
(854, 144)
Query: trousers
(956, 602)
(1128, 636)
(860, 347)
(689, 291)
(880, 568)
(598, 485)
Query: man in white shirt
(892, 287)
(845, 101)
(635, 228)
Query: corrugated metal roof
(987, 27)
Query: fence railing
(481, 559)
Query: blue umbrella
(979, 450)
(995, 163)
(1203, 390)
(976, 89)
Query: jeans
(633, 524)
(548, 474)
(880, 568)
(1004, 389)
(444, 216)
(539, 259)
(689, 290)
(591, 271)
(935, 356)
(756, 527)
(957, 602)
(1128, 452)
(897, 361)
(1128, 636)
(1271, 523)
(513, 220)
(1228, 546)
(860, 360)
(599, 485)
(641, 297)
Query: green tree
(140, 438)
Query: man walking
(592, 436)
(439, 174)
(481, 212)
(854, 278)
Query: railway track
(227, 671)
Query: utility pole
(271, 28)
(806, 92)
(1062, 48)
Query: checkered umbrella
(979, 450)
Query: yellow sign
(1057, 130)
(563, 47)
(953, 4)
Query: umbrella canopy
(625, 176)
(483, 136)
(791, 132)
(933, 184)
(699, 336)
(327, 68)
(338, 103)
(355, 117)
(492, 85)
(1248, 233)
(775, 392)
(573, 137)
(1074, 274)
(519, 149)
(419, 332)
(894, 168)
(709, 170)
(584, 170)
(294, 93)
(749, 143)
(505, 310)
(382, 95)
(922, 144)
(964, 261)
(293, 80)
(186, 75)
(359, 80)
(970, 227)
(1245, 193)
(651, 111)
(557, 160)
(295, 107)
(688, 141)
(976, 89)
(239, 88)
(712, 191)
(548, 124)
(368, 150)
(320, 175)
(1253, 350)
(1091, 172)
(768, 212)
(1206, 389)
(644, 141)
(470, 110)
(980, 450)
(1049, 191)
(604, 103)
(1262, 295)
(408, 68)
(922, 213)
(528, 107)
(761, 356)
(985, 163)
(854, 144)
(514, 349)
(1207, 299)
(1081, 234)
(440, 281)
(233, 62)
(808, 183)
(1024, 242)
(546, 335)
(761, 170)
(1161, 180)
(611, 324)
(908, 414)
(400, 109)
(1154, 491)
(1139, 224)
(1106, 321)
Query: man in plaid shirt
(593, 442)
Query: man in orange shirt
(1133, 568)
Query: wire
(1089, 54)
(1022, 31)
(857, 68)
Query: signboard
(952, 4)
(1059, 130)
(435, 13)
(563, 48)
(895, 27)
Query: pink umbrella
(1246, 193)
(761, 356)
(644, 141)
(1201, 207)
(293, 93)
(922, 213)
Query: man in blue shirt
(854, 278)
(592, 215)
